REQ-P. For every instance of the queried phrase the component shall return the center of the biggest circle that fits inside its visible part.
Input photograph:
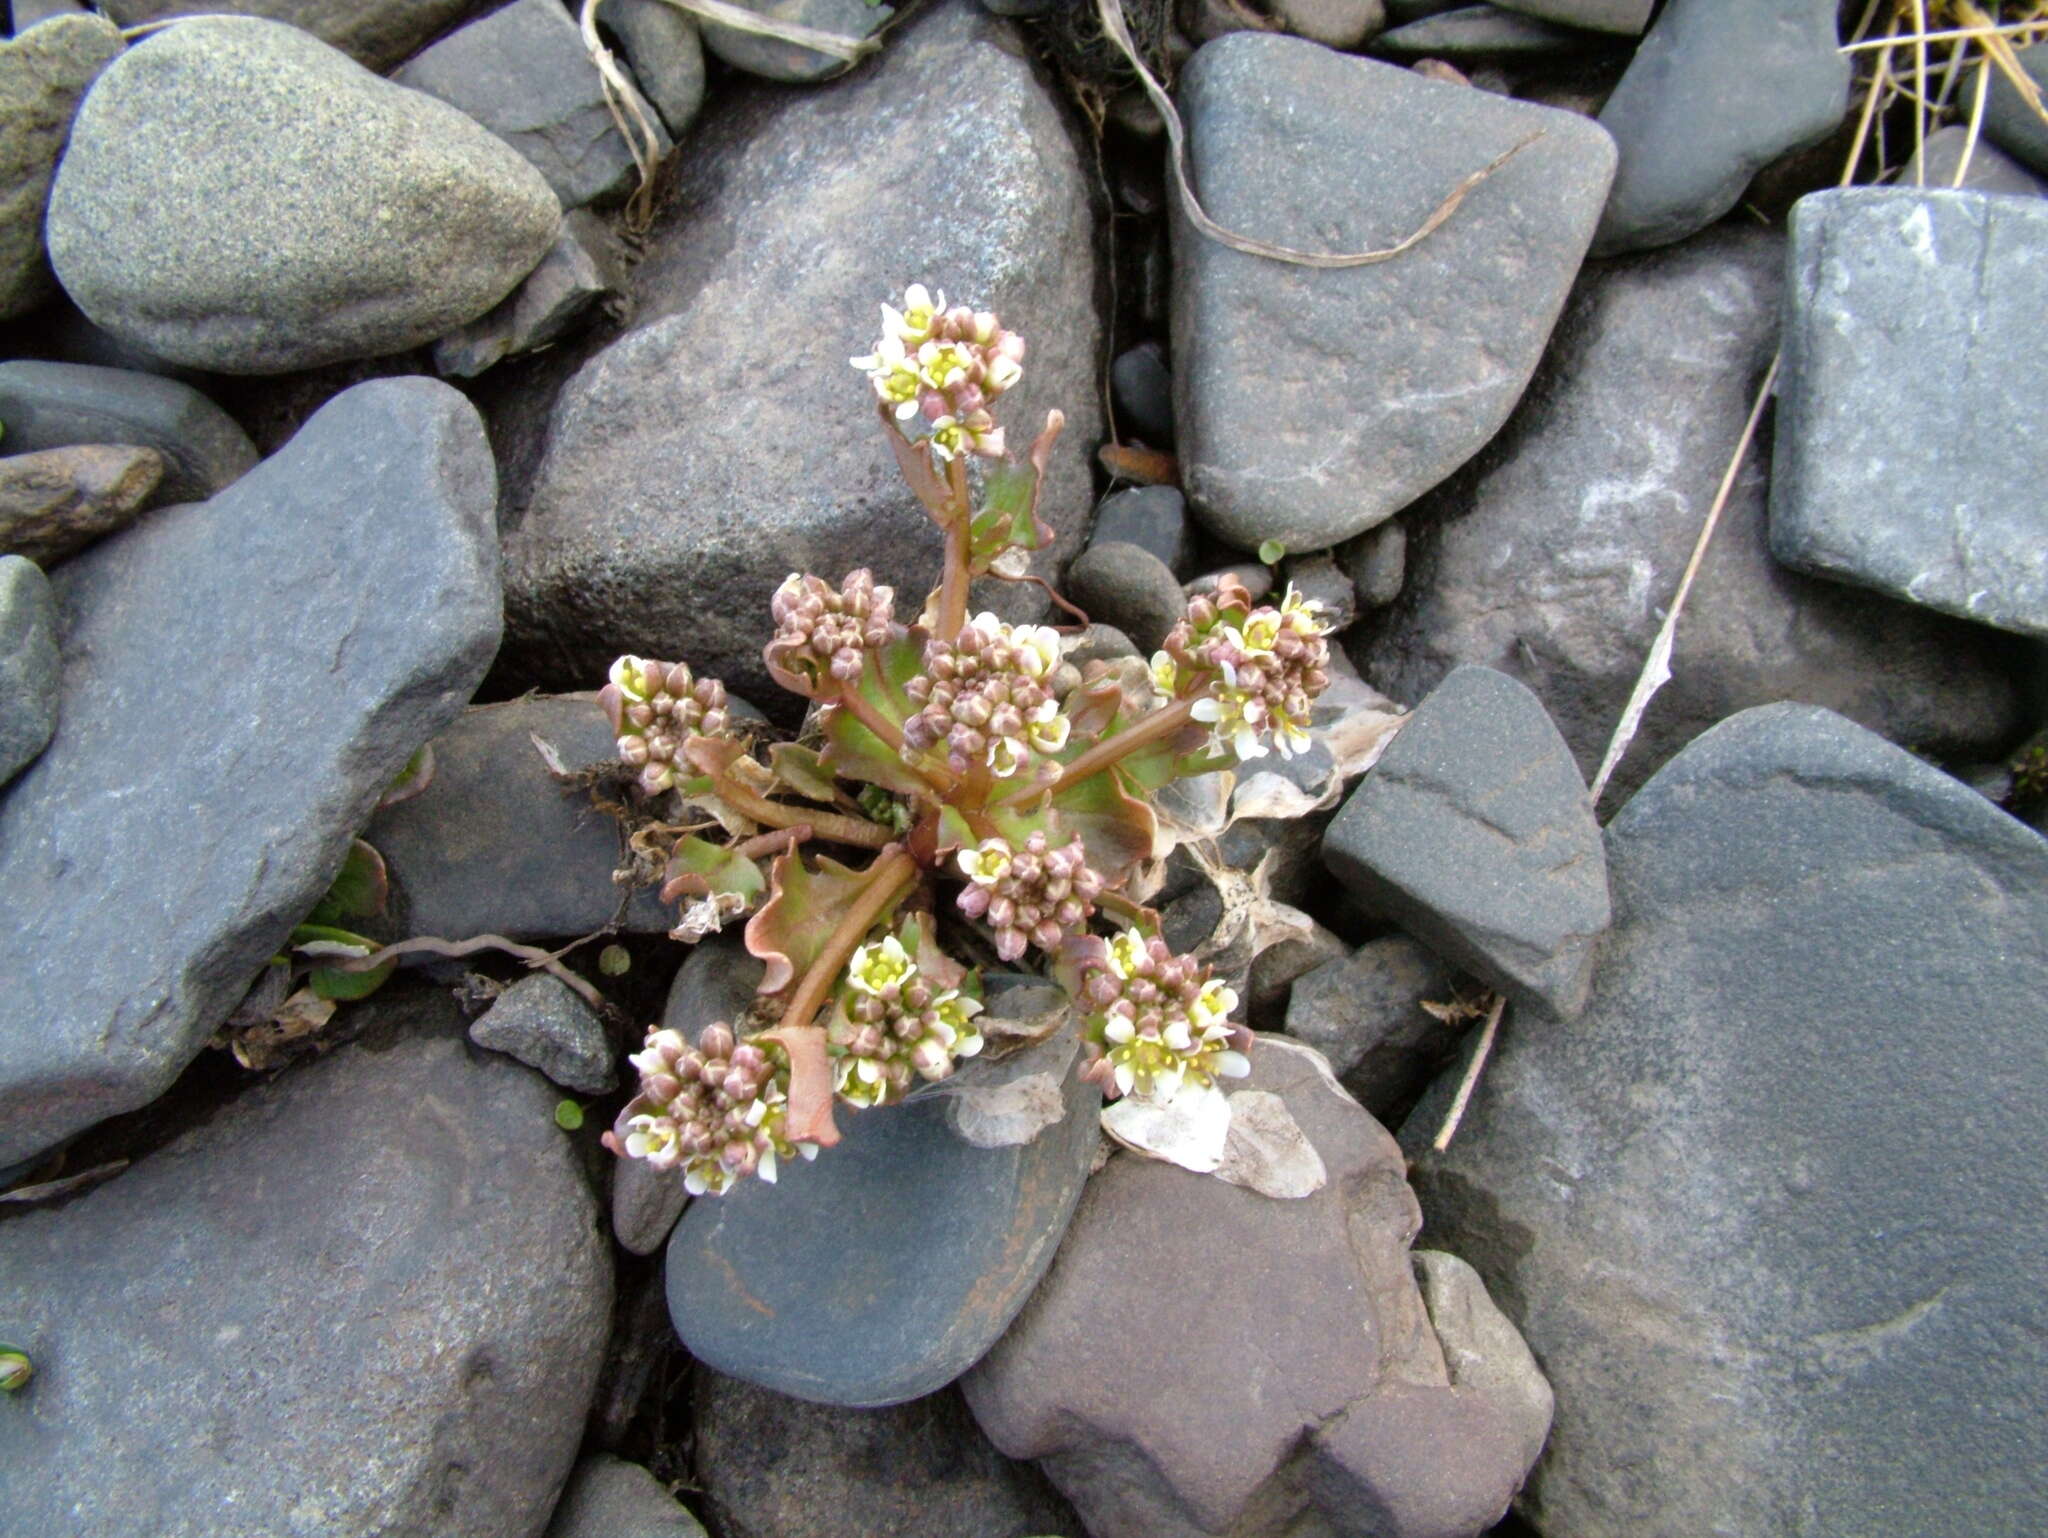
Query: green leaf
(568, 1115)
(1116, 828)
(333, 982)
(854, 752)
(615, 961)
(358, 891)
(1009, 519)
(698, 868)
(802, 771)
(1272, 552)
(415, 777)
(791, 928)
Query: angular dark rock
(1552, 559)
(1155, 518)
(574, 275)
(667, 55)
(1364, 1013)
(405, 218)
(1774, 1196)
(1474, 833)
(1327, 1404)
(522, 72)
(1904, 458)
(140, 890)
(540, 1021)
(64, 405)
(608, 1497)
(55, 502)
(44, 70)
(1313, 404)
(30, 668)
(723, 442)
(367, 1297)
(1717, 90)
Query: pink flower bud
(716, 1040)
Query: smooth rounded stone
(1319, 579)
(1717, 90)
(1710, 1207)
(56, 502)
(1474, 832)
(1552, 558)
(1627, 17)
(375, 33)
(883, 1269)
(404, 218)
(522, 72)
(578, 270)
(496, 845)
(64, 405)
(29, 13)
(608, 1497)
(1129, 587)
(1377, 563)
(44, 70)
(30, 667)
(121, 965)
(773, 59)
(1312, 1397)
(1990, 168)
(1099, 643)
(1154, 518)
(1142, 390)
(375, 1282)
(1363, 1011)
(2010, 121)
(655, 489)
(1912, 371)
(667, 55)
(1257, 580)
(1314, 404)
(1333, 23)
(543, 1023)
(775, 1467)
(1482, 32)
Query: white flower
(875, 968)
(1165, 674)
(1047, 729)
(1038, 648)
(912, 325)
(894, 377)
(988, 864)
(653, 1138)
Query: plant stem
(888, 877)
(1161, 723)
(1471, 1079)
(836, 826)
(953, 583)
(938, 776)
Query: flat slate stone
(1717, 90)
(495, 845)
(723, 442)
(1627, 17)
(202, 212)
(1311, 405)
(1553, 557)
(376, 33)
(522, 72)
(44, 70)
(1771, 1212)
(1913, 378)
(61, 405)
(285, 647)
(884, 1268)
(1474, 832)
(1482, 32)
(366, 1297)
(1363, 1011)
(774, 59)
(30, 670)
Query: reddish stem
(1161, 723)
(888, 878)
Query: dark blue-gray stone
(2010, 121)
(1627, 17)
(546, 1025)
(1482, 32)
(378, 33)
(1129, 587)
(1154, 518)
(1142, 389)
(667, 55)
(57, 405)
(242, 679)
(1474, 833)
(1990, 168)
(1913, 378)
(775, 59)
(30, 672)
(1771, 1212)
(1716, 91)
(884, 1268)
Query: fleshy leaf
(915, 461)
(1009, 519)
(800, 769)
(855, 752)
(808, 1118)
(333, 982)
(699, 868)
(415, 777)
(791, 928)
(1116, 828)
(359, 889)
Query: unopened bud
(15, 1369)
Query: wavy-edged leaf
(802, 771)
(359, 889)
(699, 868)
(856, 753)
(333, 982)
(1116, 828)
(1009, 519)
(790, 930)
(808, 1116)
(915, 461)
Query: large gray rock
(1913, 370)
(522, 72)
(1717, 90)
(30, 669)
(1474, 833)
(1205, 1360)
(367, 1297)
(43, 73)
(724, 442)
(2010, 120)
(608, 1497)
(774, 1467)
(63, 405)
(281, 650)
(1552, 559)
(202, 212)
(55, 502)
(377, 33)
(1771, 1213)
(1311, 404)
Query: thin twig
(1976, 123)
(430, 945)
(1471, 1080)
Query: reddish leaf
(791, 928)
(808, 1118)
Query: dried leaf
(301, 1016)
(1266, 1151)
(1190, 1130)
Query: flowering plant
(997, 793)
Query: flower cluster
(654, 708)
(1037, 894)
(1156, 1022)
(1250, 671)
(987, 695)
(821, 630)
(896, 1020)
(947, 366)
(715, 1109)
